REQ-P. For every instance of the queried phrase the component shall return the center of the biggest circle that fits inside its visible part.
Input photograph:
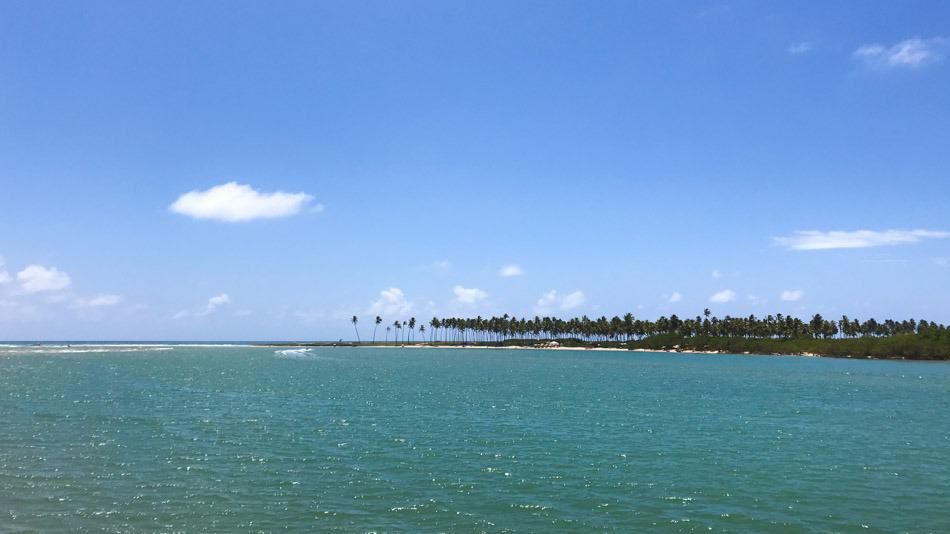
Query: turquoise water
(218, 439)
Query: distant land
(774, 334)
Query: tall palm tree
(387, 334)
(378, 320)
(412, 327)
(435, 324)
(422, 331)
(355, 320)
(396, 326)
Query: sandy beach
(514, 347)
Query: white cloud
(391, 301)
(552, 300)
(792, 295)
(35, 278)
(467, 295)
(910, 53)
(815, 240)
(546, 302)
(511, 270)
(726, 295)
(212, 306)
(675, 297)
(233, 202)
(99, 300)
(216, 302)
(797, 49)
(573, 300)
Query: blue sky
(231, 170)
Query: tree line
(630, 328)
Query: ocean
(182, 438)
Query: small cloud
(573, 300)
(99, 301)
(216, 302)
(36, 278)
(910, 53)
(391, 301)
(552, 300)
(511, 270)
(815, 240)
(792, 295)
(234, 202)
(675, 297)
(546, 302)
(212, 306)
(797, 49)
(467, 295)
(716, 274)
(726, 295)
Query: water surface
(212, 439)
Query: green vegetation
(922, 346)
(774, 334)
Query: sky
(264, 171)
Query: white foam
(292, 353)
(156, 345)
(63, 349)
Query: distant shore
(542, 345)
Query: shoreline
(600, 349)
(86, 346)
(804, 354)
(560, 348)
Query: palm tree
(422, 331)
(435, 324)
(396, 326)
(387, 334)
(412, 326)
(378, 320)
(355, 320)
